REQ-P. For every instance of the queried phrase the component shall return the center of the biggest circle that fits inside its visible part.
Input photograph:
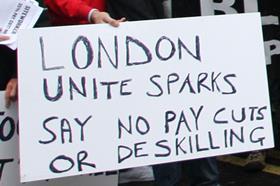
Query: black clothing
(185, 8)
(134, 10)
(43, 20)
(8, 63)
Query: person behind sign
(135, 10)
(8, 68)
(198, 172)
(256, 160)
(8, 80)
(201, 171)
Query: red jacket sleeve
(73, 9)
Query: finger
(4, 38)
(10, 97)
(7, 100)
(123, 19)
(111, 21)
(13, 93)
(116, 23)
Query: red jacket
(72, 12)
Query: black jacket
(134, 10)
(8, 65)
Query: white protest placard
(95, 98)
(9, 157)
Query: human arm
(79, 11)
(70, 8)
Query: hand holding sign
(104, 17)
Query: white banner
(9, 157)
(96, 98)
